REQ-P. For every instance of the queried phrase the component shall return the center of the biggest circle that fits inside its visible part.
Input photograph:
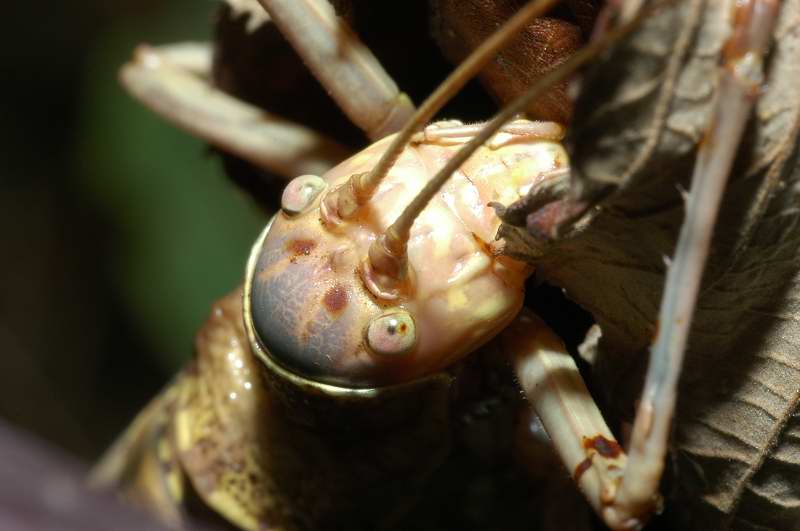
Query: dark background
(117, 230)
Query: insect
(319, 395)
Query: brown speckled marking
(605, 447)
(335, 299)
(582, 467)
(301, 247)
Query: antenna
(360, 187)
(386, 264)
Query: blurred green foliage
(117, 230)
(181, 230)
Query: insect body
(320, 397)
(316, 315)
(353, 380)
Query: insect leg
(739, 83)
(343, 64)
(554, 388)
(142, 464)
(174, 82)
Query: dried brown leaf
(736, 458)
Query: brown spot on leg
(582, 467)
(301, 247)
(605, 447)
(335, 299)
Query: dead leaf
(736, 448)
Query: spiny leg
(740, 81)
(346, 68)
(174, 82)
(625, 499)
(554, 388)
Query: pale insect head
(314, 315)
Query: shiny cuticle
(300, 193)
(392, 333)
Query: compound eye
(300, 193)
(392, 333)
